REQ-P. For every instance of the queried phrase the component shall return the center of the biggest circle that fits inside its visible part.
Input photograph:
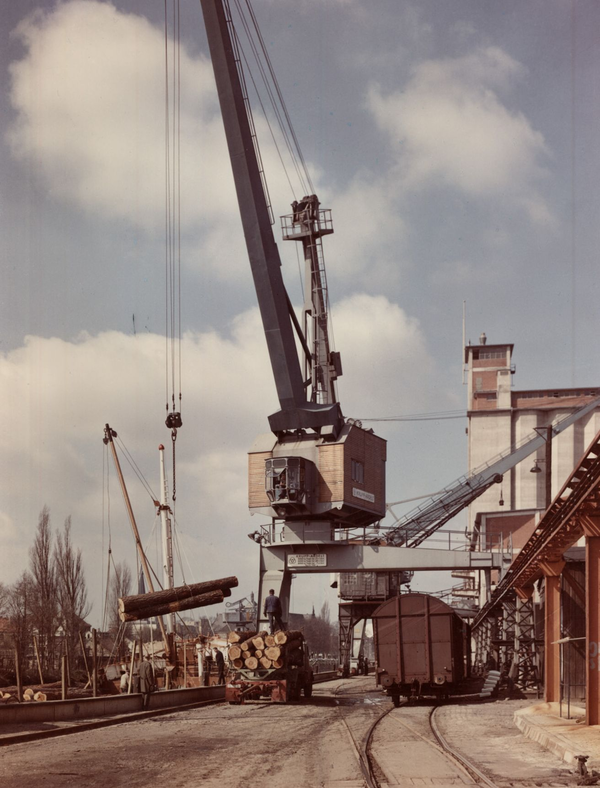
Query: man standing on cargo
(272, 609)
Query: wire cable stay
(173, 361)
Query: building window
(489, 354)
(358, 472)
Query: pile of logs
(42, 692)
(172, 600)
(261, 651)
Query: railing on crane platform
(296, 225)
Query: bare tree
(4, 594)
(71, 588)
(20, 614)
(44, 606)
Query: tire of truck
(307, 689)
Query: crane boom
(416, 526)
(296, 411)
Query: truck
(288, 676)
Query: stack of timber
(173, 600)
(261, 651)
(42, 692)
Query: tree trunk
(235, 652)
(241, 635)
(152, 600)
(283, 637)
(273, 653)
(213, 598)
(251, 663)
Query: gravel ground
(295, 746)
(307, 745)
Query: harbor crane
(317, 475)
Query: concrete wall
(105, 706)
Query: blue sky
(456, 144)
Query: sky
(455, 142)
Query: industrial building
(539, 617)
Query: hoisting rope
(173, 223)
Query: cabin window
(358, 472)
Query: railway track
(366, 752)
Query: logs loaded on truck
(268, 666)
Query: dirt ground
(314, 743)
(486, 733)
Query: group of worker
(142, 681)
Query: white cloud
(60, 394)
(450, 127)
(90, 118)
(387, 366)
(368, 248)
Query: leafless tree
(19, 611)
(44, 607)
(4, 593)
(71, 588)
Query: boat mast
(167, 535)
(109, 434)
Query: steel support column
(552, 631)
(591, 528)
(526, 651)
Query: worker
(220, 662)
(124, 684)
(272, 609)
(146, 680)
(208, 661)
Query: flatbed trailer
(279, 685)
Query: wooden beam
(128, 604)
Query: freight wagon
(422, 647)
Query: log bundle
(261, 651)
(173, 600)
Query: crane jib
(296, 412)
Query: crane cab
(307, 475)
(289, 484)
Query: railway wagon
(421, 647)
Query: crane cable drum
(173, 362)
(277, 103)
